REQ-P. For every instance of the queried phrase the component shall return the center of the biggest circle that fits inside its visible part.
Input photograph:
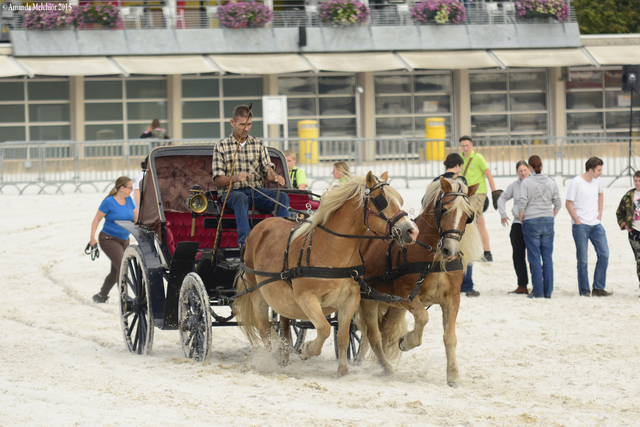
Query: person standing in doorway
(585, 202)
(538, 205)
(475, 170)
(628, 214)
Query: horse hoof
(301, 354)
(401, 344)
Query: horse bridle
(381, 203)
(453, 233)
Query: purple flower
(244, 15)
(556, 8)
(439, 11)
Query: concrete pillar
(76, 101)
(368, 113)
(270, 83)
(557, 102)
(462, 105)
(174, 99)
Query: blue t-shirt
(115, 212)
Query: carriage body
(171, 279)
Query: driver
(252, 165)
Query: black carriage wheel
(194, 318)
(355, 340)
(136, 314)
(298, 334)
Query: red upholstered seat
(179, 230)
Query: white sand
(567, 361)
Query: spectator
(628, 215)
(252, 166)
(585, 202)
(453, 164)
(475, 170)
(114, 239)
(538, 205)
(155, 131)
(340, 172)
(298, 176)
(517, 240)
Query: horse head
(453, 213)
(383, 214)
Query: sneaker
(585, 294)
(600, 293)
(487, 257)
(473, 294)
(520, 290)
(99, 298)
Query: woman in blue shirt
(117, 206)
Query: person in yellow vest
(298, 176)
(475, 170)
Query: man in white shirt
(584, 203)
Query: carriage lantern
(197, 202)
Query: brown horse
(353, 208)
(448, 239)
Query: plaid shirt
(252, 158)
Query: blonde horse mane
(471, 244)
(335, 197)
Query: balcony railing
(159, 14)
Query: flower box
(244, 15)
(40, 19)
(343, 12)
(96, 15)
(535, 9)
(439, 12)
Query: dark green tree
(608, 16)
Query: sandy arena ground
(567, 361)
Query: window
(509, 103)
(596, 105)
(119, 108)
(35, 109)
(327, 98)
(208, 103)
(403, 102)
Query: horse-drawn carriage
(187, 272)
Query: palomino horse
(350, 210)
(448, 240)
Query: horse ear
(371, 179)
(384, 176)
(473, 189)
(446, 185)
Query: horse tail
(244, 312)
(396, 331)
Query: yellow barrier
(308, 147)
(435, 130)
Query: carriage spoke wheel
(194, 318)
(136, 315)
(355, 342)
(297, 334)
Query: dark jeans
(240, 201)
(538, 235)
(114, 249)
(582, 233)
(634, 241)
(519, 254)
(467, 280)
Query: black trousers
(634, 241)
(519, 254)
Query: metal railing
(69, 165)
(159, 14)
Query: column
(174, 99)
(368, 113)
(557, 102)
(462, 105)
(76, 101)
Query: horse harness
(355, 272)
(424, 268)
